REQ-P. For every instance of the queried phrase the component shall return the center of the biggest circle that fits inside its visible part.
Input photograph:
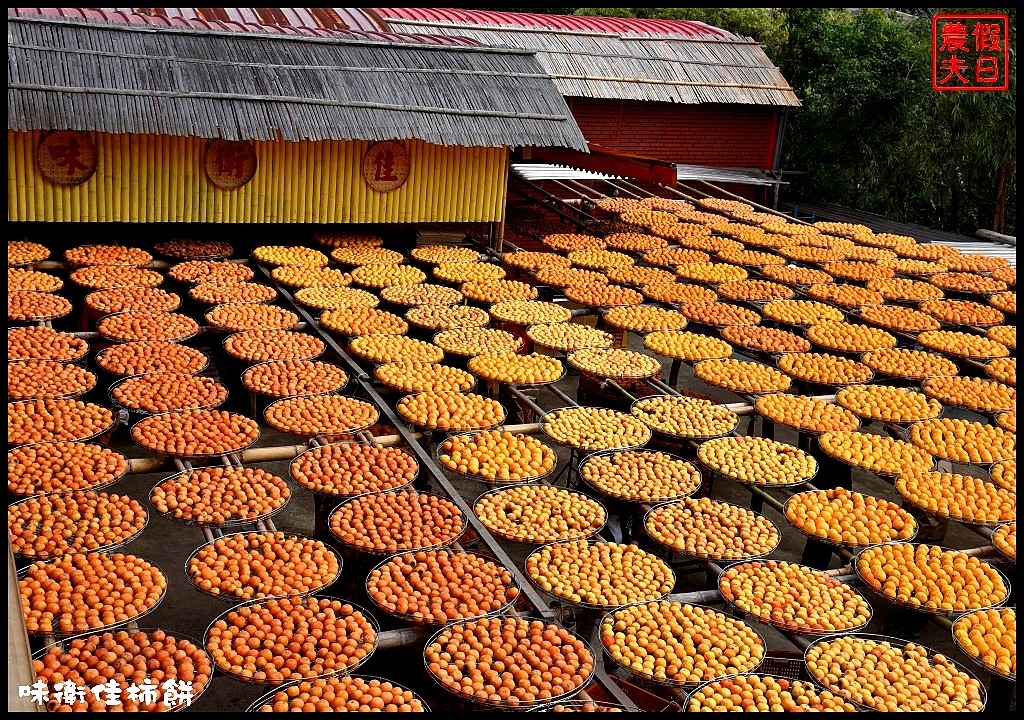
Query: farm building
(696, 96)
(118, 117)
(681, 91)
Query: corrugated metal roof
(536, 172)
(741, 176)
(547, 171)
(129, 78)
(235, 22)
(322, 18)
(652, 67)
(578, 23)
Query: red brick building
(680, 91)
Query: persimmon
(758, 692)
(568, 336)
(599, 574)
(116, 657)
(387, 522)
(306, 637)
(678, 643)
(193, 249)
(530, 648)
(219, 293)
(345, 693)
(261, 564)
(241, 316)
(529, 312)
(63, 465)
(42, 420)
(83, 591)
(640, 475)
(131, 325)
(264, 345)
(540, 513)
(32, 281)
(793, 596)
(275, 255)
(27, 379)
(79, 521)
(201, 271)
(589, 428)
(97, 277)
(930, 577)
(439, 586)
(758, 460)
(29, 306)
(146, 356)
(119, 299)
(353, 468)
(23, 252)
(892, 675)
(107, 255)
(196, 432)
(36, 342)
(707, 528)
(288, 378)
(220, 495)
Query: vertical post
(19, 655)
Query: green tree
(873, 135)
(859, 78)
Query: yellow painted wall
(146, 178)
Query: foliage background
(872, 134)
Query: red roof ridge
(572, 23)
(115, 16)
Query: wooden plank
(19, 657)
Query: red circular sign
(386, 166)
(230, 164)
(66, 157)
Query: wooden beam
(996, 237)
(19, 657)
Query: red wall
(716, 135)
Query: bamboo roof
(137, 78)
(679, 68)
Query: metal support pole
(615, 386)
(562, 396)
(658, 384)
(537, 410)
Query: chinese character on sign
(954, 37)
(176, 692)
(66, 157)
(143, 694)
(386, 166)
(230, 164)
(37, 692)
(230, 161)
(953, 67)
(109, 692)
(986, 36)
(969, 52)
(68, 693)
